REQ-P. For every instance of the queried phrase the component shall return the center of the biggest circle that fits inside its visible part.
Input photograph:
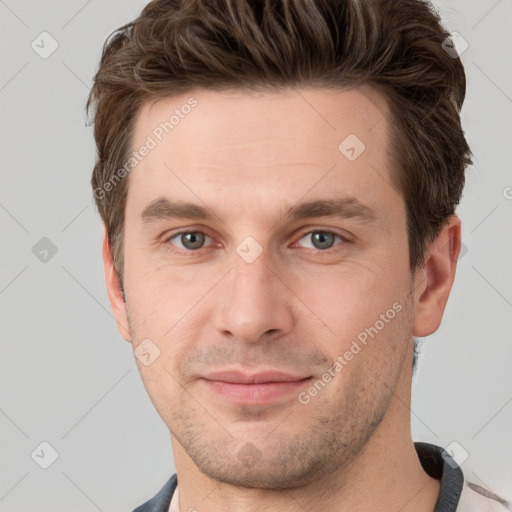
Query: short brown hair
(395, 46)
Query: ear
(114, 289)
(434, 280)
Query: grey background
(66, 375)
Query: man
(279, 197)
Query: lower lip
(254, 393)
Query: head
(301, 147)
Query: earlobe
(114, 290)
(434, 281)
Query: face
(267, 278)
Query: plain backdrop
(66, 376)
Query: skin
(248, 158)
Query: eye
(188, 240)
(321, 239)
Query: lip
(238, 377)
(254, 388)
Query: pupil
(192, 240)
(323, 240)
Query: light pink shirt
(175, 502)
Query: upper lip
(237, 377)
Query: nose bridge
(254, 300)
(251, 282)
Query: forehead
(232, 146)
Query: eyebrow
(350, 207)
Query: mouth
(256, 388)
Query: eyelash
(168, 239)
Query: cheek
(160, 296)
(370, 358)
(162, 387)
(349, 299)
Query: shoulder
(475, 498)
(161, 501)
(456, 492)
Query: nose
(254, 302)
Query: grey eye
(190, 240)
(320, 239)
